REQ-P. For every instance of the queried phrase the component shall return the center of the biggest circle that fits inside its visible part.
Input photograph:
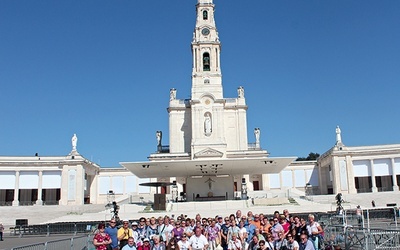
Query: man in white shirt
(198, 241)
(234, 243)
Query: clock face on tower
(205, 31)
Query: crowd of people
(234, 232)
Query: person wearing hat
(146, 245)
(136, 235)
(124, 233)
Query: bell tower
(206, 47)
(207, 103)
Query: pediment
(208, 152)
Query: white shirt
(313, 228)
(235, 245)
(198, 242)
(292, 245)
(183, 245)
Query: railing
(163, 149)
(51, 202)
(6, 203)
(253, 146)
(385, 189)
(373, 229)
(74, 243)
(230, 100)
(54, 228)
(184, 101)
(364, 190)
(349, 237)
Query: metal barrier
(75, 243)
(361, 238)
(54, 228)
(374, 229)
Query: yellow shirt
(128, 233)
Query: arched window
(205, 15)
(206, 61)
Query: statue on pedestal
(159, 138)
(240, 92)
(74, 142)
(172, 94)
(338, 136)
(257, 133)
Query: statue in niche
(159, 138)
(207, 124)
(257, 133)
(172, 94)
(74, 142)
(338, 135)
(240, 91)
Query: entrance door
(163, 190)
(256, 185)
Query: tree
(311, 157)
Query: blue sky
(103, 70)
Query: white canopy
(208, 167)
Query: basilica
(210, 156)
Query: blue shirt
(308, 245)
(127, 247)
(251, 229)
(112, 231)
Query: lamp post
(308, 190)
(110, 197)
(244, 189)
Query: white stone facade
(37, 180)
(360, 169)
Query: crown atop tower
(204, 1)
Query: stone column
(335, 176)
(39, 201)
(16, 189)
(374, 188)
(265, 182)
(94, 188)
(322, 179)
(395, 184)
(351, 178)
